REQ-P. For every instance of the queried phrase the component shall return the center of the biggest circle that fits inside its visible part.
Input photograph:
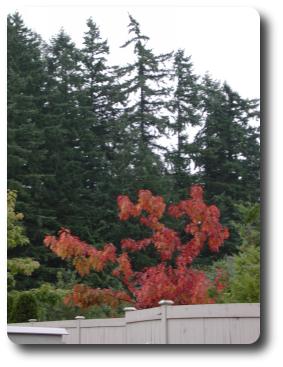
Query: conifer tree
(227, 141)
(227, 150)
(147, 85)
(26, 83)
(56, 196)
(185, 108)
(25, 95)
(62, 128)
(101, 134)
(147, 120)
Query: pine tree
(185, 108)
(144, 85)
(227, 150)
(26, 79)
(54, 198)
(99, 109)
(62, 128)
(25, 84)
(147, 85)
(103, 140)
(227, 141)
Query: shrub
(25, 308)
(242, 271)
(245, 282)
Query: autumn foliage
(173, 278)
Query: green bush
(25, 307)
(245, 281)
(242, 271)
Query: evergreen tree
(100, 104)
(226, 142)
(26, 77)
(227, 150)
(62, 129)
(25, 95)
(184, 107)
(56, 196)
(144, 85)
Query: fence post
(164, 325)
(127, 309)
(79, 318)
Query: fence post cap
(165, 302)
(79, 318)
(32, 320)
(129, 309)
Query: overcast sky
(223, 41)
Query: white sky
(223, 41)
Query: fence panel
(103, 331)
(167, 324)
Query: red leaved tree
(173, 278)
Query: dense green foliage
(15, 231)
(81, 132)
(241, 273)
(50, 306)
(25, 307)
(245, 279)
(16, 237)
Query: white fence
(237, 323)
(36, 335)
